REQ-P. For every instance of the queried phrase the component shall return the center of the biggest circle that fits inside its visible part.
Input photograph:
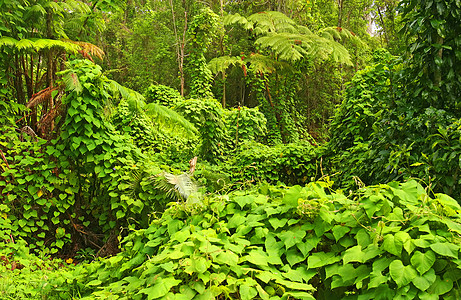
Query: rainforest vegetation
(180, 149)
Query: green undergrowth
(389, 241)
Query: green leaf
(425, 281)
(292, 195)
(320, 259)
(445, 249)
(257, 257)
(393, 245)
(299, 295)
(294, 256)
(401, 274)
(277, 223)
(440, 287)
(161, 288)
(292, 237)
(339, 231)
(353, 254)
(423, 261)
(200, 265)
(227, 257)
(247, 292)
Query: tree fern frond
(293, 47)
(220, 64)
(166, 116)
(37, 8)
(342, 34)
(263, 64)
(37, 44)
(238, 19)
(304, 30)
(134, 99)
(24, 44)
(272, 21)
(78, 6)
(8, 41)
(53, 5)
(283, 45)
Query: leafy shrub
(137, 125)
(207, 115)
(162, 94)
(245, 124)
(77, 190)
(25, 276)
(382, 242)
(367, 94)
(287, 163)
(33, 194)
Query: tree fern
(290, 42)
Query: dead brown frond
(88, 50)
(46, 123)
(40, 97)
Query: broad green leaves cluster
(383, 242)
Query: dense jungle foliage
(230, 149)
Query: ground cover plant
(278, 242)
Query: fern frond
(134, 99)
(238, 19)
(37, 44)
(8, 41)
(272, 21)
(78, 6)
(24, 44)
(168, 117)
(293, 47)
(220, 64)
(37, 8)
(263, 64)
(342, 34)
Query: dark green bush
(162, 94)
(288, 163)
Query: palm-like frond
(167, 117)
(182, 183)
(134, 99)
(88, 48)
(40, 97)
(264, 64)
